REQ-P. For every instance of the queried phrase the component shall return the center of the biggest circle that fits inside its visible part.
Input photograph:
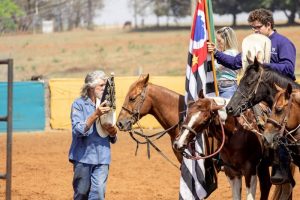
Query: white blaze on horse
(242, 149)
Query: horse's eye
(250, 82)
(132, 99)
(278, 110)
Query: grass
(73, 54)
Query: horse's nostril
(175, 145)
(119, 125)
(229, 109)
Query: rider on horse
(283, 57)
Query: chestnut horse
(146, 98)
(242, 150)
(256, 85)
(284, 121)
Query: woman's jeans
(89, 181)
(227, 92)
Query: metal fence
(8, 118)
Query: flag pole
(210, 39)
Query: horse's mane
(167, 90)
(280, 79)
(274, 76)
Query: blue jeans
(89, 181)
(227, 92)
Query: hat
(254, 45)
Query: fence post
(9, 119)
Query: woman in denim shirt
(89, 152)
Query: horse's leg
(264, 179)
(249, 171)
(236, 187)
(251, 181)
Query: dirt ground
(41, 170)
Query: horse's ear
(259, 57)
(288, 91)
(189, 103)
(200, 94)
(277, 87)
(256, 63)
(249, 57)
(144, 78)
(296, 95)
(216, 107)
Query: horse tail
(284, 191)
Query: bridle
(135, 117)
(281, 138)
(282, 124)
(135, 113)
(196, 155)
(250, 96)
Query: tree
(66, 13)
(180, 8)
(160, 8)
(234, 7)
(9, 11)
(289, 7)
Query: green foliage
(180, 8)
(9, 11)
(234, 7)
(293, 6)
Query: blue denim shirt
(87, 147)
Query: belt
(226, 83)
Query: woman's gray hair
(91, 81)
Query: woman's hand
(210, 47)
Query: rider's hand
(210, 47)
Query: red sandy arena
(41, 170)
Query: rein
(250, 96)
(282, 125)
(149, 142)
(135, 113)
(135, 117)
(199, 156)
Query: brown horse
(284, 121)
(242, 150)
(146, 98)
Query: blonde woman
(227, 78)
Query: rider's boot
(281, 172)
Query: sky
(116, 12)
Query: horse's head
(250, 90)
(285, 114)
(199, 115)
(135, 105)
